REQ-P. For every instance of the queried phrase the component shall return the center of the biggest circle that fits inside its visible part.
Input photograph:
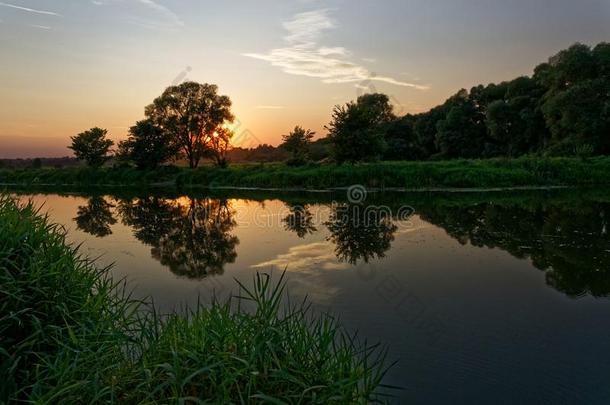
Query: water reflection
(96, 217)
(569, 242)
(360, 233)
(299, 220)
(191, 236)
(566, 237)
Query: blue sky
(70, 65)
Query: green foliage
(401, 140)
(462, 132)
(92, 146)
(498, 172)
(297, 144)
(147, 146)
(357, 130)
(192, 114)
(69, 334)
(566, 103)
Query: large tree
(147, 146)
(92, 146)
(357, 129)
(192, 113)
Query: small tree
(297, 144)
(220, 145)
(147, 146)
(92, 146)
(357, 130)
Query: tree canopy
(147, 146)
(297, 144)
(92, 146)
(357, 130)
(192, 114)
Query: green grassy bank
(69, 334)
(522, 172)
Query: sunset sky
(68, 65)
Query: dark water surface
(483, 298)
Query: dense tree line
(563, 109)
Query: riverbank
(70, 334)
(458, 174)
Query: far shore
(528, 173)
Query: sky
(69, 65)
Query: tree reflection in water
(191, 236)
(360, 232)
(96, 217)
(299, 220)
(570, 243)
(567, 238)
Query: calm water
(483, 298)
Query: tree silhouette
(192, 114)
(297, 144)
(92, 146)
(96, 217)
(147, 146)
(357, 130)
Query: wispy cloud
(162, 10)
(303, 56)
(170, 19)
(30, 10)
(270, 107)
(42, 27)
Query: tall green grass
(521, 172)
(70, 334)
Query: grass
(70, 334)
(521, 172)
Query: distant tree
(36, 163)
(297, 144)
(147, 146)
(92, 146)
(191, 113)
(357, 129)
